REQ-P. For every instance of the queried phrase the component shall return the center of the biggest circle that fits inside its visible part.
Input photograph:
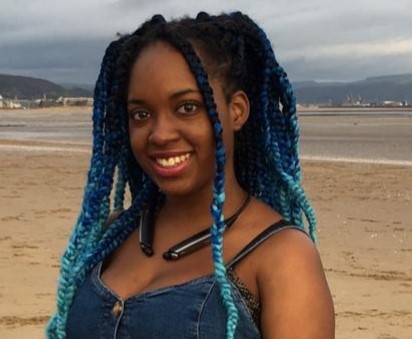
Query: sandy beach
(365, 235)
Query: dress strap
(260, 238)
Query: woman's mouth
(171, 166)
(172, 161)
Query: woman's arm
(295, 297)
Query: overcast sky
(64, 40)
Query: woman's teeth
(172, 161)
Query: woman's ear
(239, 109)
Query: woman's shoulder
(283, 242)
(292, 287)
(273, 244)
(288, 249)
(284, 249)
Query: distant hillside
(70, 85)
(21, 87)
(372, 90)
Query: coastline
(364, 239)
(363, 210)
(320, 109)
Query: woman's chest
(122, 271)
(190, 310)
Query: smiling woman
(187, 113)
(172, 136)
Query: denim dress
(193, 309)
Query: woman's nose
(164, 130)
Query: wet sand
(384, 138)
(365, 237)
(368, 136)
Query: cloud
(320, 39)
(349, 50)
(342, 69)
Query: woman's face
(170, 133)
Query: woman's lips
(170, 165)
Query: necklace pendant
(171, 256)
(146, 233)
(147, 249)
(185, 247)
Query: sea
(364, 136)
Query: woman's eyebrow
(173, 96)
(184, 92)
(135, 101)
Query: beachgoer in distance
(197, 120)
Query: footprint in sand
(11, 218)
(15, 321)
(398, 229)
(22, 246)
(7, 237)
(61, 210)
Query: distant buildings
(7, 103)
(80, 101)
(44, 102)
(349, 102)
(389, 103)
(359, 102)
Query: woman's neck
(193, 212)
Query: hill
(21, 87)
(371, 90)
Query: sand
(365, 237)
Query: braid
(96, 205)
(234, 49)
(281, 129)
(218, 226)
(278, 165)
(90, 242)
(120, 184)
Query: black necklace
(185, 247)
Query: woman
(187, 113)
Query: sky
(324, 40)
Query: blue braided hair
(91, 241)
(235, 49)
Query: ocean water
(366, 137)
(349, 136)
(47, 126)
(46, 131)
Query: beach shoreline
(364, 229)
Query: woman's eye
(139, 115)
(188, 108)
